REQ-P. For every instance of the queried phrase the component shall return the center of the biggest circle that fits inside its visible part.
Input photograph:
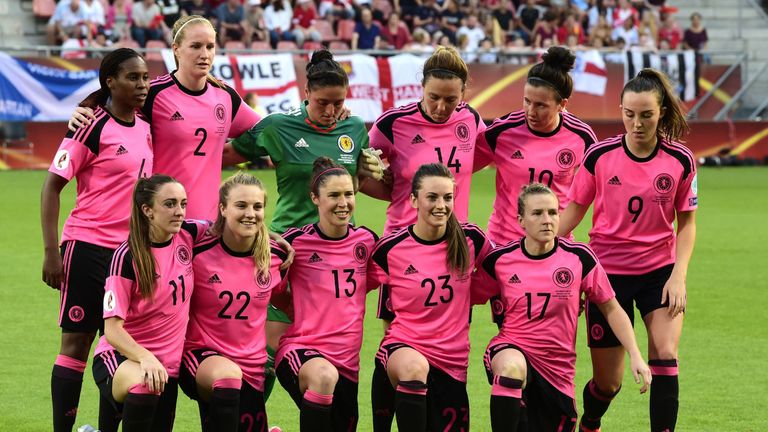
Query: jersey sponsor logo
(76, 313)
(411, 270)
(566, 158)
(346, 144)
(177, 116)
(361, 253)
(61, 160)
(315, 258)
(663, 183)
(183, 254)
(695, 184)
(693, 201)
(614, 181)
(263, 279)
(215, 279)
(514, 279)
(462, 132)
(517, 155)
(562, 277)
(417, 139)
(301, 143)
(110, 301)
(597, 332)
(219, 112)
(121, 151)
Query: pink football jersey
(328, 286)
(107, 158)
(189, 129)
(229, 306)
(524, 156)
(431, 302)
(157, 324)
(635, 202)
(540, 302)
(408, 138)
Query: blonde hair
(178, 32)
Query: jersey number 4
(452, 162)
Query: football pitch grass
(724, 342)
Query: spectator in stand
(255, 26)
(421, 43)
(171, 11)
(649, 25)
(426, 17)
(504, 15)
(95, 18)
(444, 40)
(395, 34)
(546, 31)
(600, 35)
(695, 37)
(230, 17)
(147, 22)
(571, 27)
(670, 32)
(196, 7)
(332, 10)
(367, 34)
(277, 16)
(118, 20)
(406, 9)
(66, 22)
(304, 16)
(598, 9)
(487, 54)
(474, 32)
(493, 30)
(528, 15)
(623, 12)
(450, 19)
(627, 31)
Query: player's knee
(514, 369)
(228, 370)
(76, 345)
(415, 369)
(324, 379)
(608, 386)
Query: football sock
(505, 403)
(596, 403)
(66, 383)
(411, 406)
(109, 417)
(139, 409)
(382, 400)
(664, 395)
(315, 412)
(224, 406)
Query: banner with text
(682, 69)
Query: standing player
(540, 279)
(108, 156)
(425, 352)
(236, 271)
(640, 182)
(146, 308)
(192, 114)
(319, 355)
(540, 143)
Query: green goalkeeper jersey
(293, 142)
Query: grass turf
(725, 336)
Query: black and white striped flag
(681, 68)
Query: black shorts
(385, 311)
(253, 412)
(86, 267)
(344, 409)
(547, 409)
(104, 366)
(447, 400)
(645, 290)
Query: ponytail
(673, 125)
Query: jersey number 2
(199, 150)
(230, 298)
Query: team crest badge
(462, 132)
(346, 144)
(566, 158)
(61, 160)
(263, 279)
(497, 306)
(220, 112)
(562, 277)
(183, 254)
(361, 253)
(76, 313)
(597, 332)
(663, 183)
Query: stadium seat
(338, 46)
(155, 55)
(234, 45)
(346, 29)
(43, 8)
(312, 46)
(287, 45)
(326, 30)
(260, 46)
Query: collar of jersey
(538, 257)
(325, 237)
(426, 242)
(117, 120)
(313, 125)
(547, 134)
(231, 252)
(636, 158)
(163, 244)
(186, 90)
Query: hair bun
(318, 57)
(560, 58)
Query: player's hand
(641, 372)
(369, 164)
(80, 118)
(284, 245)
(344, 113)
(582, 304)
(153, 373)
(53, 269)
(674, 291)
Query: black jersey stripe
(387, 121)
(474, 233)
(207, 245)
(682, 155)
(94, 137)
(381, 251)
(599, 149)
(489, 263)
(155, 87)
(365, 228)
(191, 228)
(291, 234)
(580, 128)
(123, 263)
(277, 251)
(114, 265)
(466, 106)
(587, 258)
(236, 100)
(493, 132)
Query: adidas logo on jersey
(121, 151)
(517, 155)
(301, 143)
(176, 116)
(214, 279)
(514, 279)
(614, 181)
(417, 139)
(411, 270)
(315, 258)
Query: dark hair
(458, 250)
(110, 67)
(445, 63)
(324, 167)
(552, 72)
(672, 125)
(139, 242)
(261, 249)
(532, 189)
(324, 71)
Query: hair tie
(178, 32)
(449, 72)
(327, 171)
(545, 82)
